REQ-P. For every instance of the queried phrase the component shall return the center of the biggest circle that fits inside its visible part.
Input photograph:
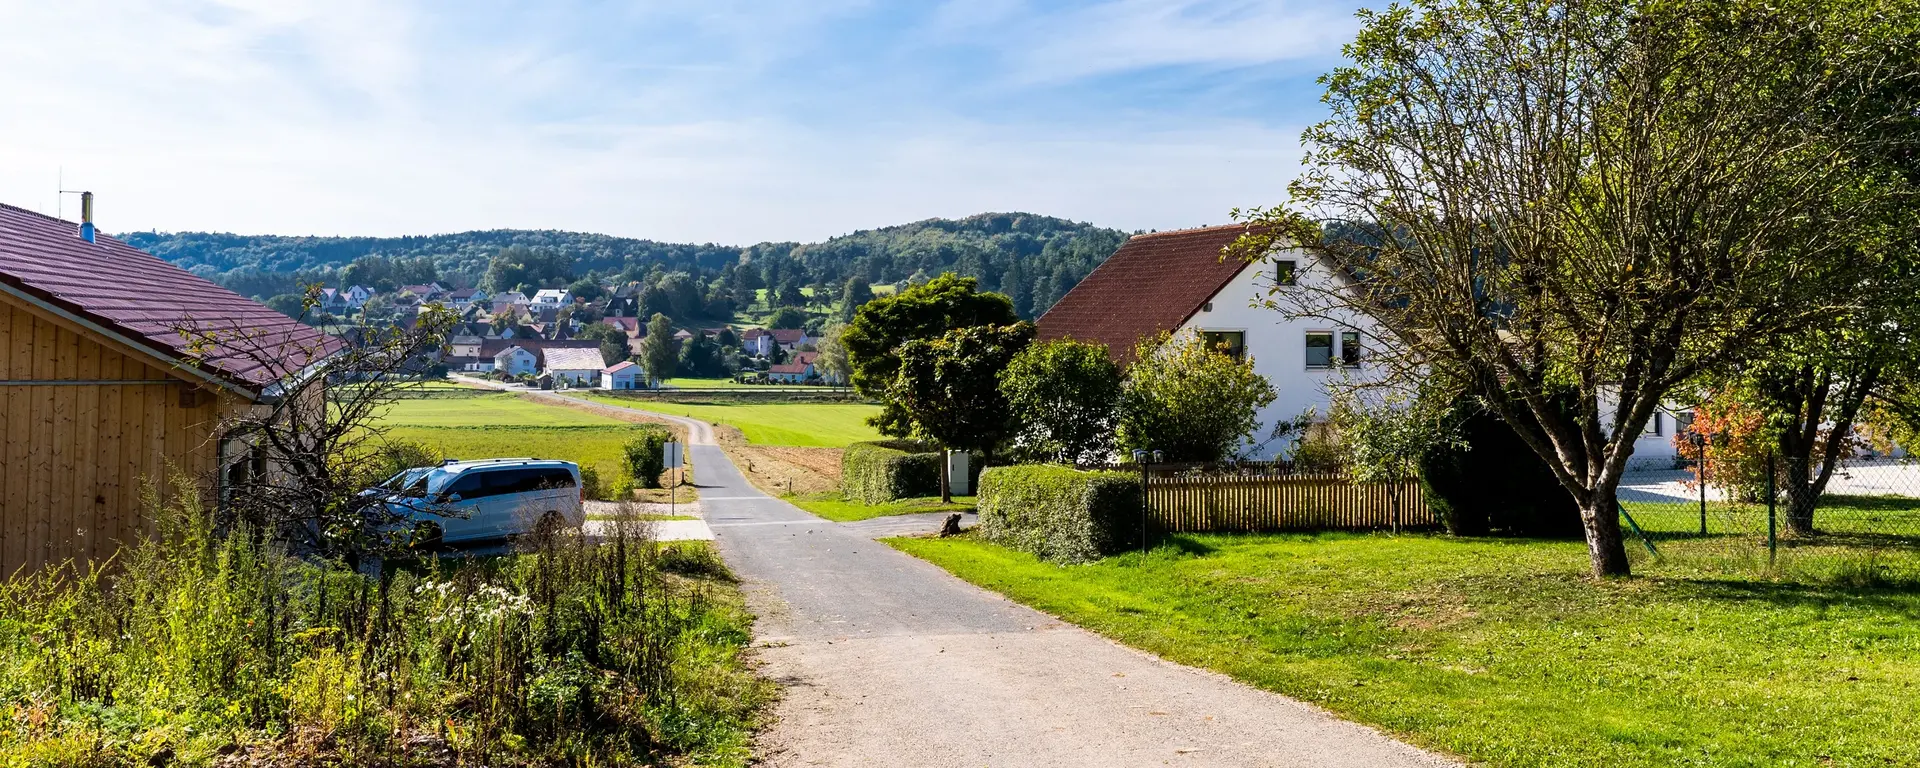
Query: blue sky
(710, 120)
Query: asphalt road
(887, 660)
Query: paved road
(886, 660)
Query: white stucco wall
(1278, 346)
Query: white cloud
(328, 117)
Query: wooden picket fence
(1288, 502)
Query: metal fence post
(1703, 483)
(1773, 503)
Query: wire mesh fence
(1861, 524)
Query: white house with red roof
(1181, 282)
(622, 375)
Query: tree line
(1034, 259)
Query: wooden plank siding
(78, 453)
(1248, 503)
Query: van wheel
(550, 524)
(426, 536)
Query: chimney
(86, 216)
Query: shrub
(1060, 514)
(1192, 401)
(880, 472)
(1491, 480)
(646, 455)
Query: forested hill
(1036, 259)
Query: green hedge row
(647, 454)
(880, 472)
(1058, 513)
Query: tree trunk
(1605, 547)
(1798, 472)
(946, 465)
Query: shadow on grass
(1897, 595)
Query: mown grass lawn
(1504, 652)
(502, 409)
(815, 425)
(834, 507)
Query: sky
(680, 120)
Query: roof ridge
(1193, 230)
(32, 212)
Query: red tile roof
(799, 368)
(788, 335)
(150, 302)
(619, 366)
(1153, 283)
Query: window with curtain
(1319, 349)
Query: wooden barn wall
(76, 456)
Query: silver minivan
(469, 501)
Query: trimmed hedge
(647, 454)
(1058, 513)
(883, 471)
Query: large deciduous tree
(658, 353)
(949, 387)
(924, 311)
(1536, 200)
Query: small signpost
(674, 457)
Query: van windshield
(407, 480)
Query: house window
(1233, 343)
(1319, 349)
(1350, 348)
(1654, 426)
(1286, 272)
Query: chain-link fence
(1778, 519)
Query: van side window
(511, 481)
(556, 478)
(469, 486)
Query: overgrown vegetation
(1059, 513)
(194, 646)
(646, 455)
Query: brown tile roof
(788, 335)
(1153, 283)
(787, 368)
(140, 297)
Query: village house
(424, 293)
(515, 361)
(790, 373)
(622, 375)
(578, 367)
(760, 342)
(486, 359)
(551, 299)
(1178, 282)
(101, 395)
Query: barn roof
(152, 304)
(571, 359)
(1153, 283)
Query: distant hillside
(1033, 258)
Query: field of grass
(505, 425)
(1503, 652)
(489, 410)
(818, 425)
(833, 507)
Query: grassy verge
(820, 425)
(833, 507)
(196, 649)
(1502, 651)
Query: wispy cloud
(721, 120)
